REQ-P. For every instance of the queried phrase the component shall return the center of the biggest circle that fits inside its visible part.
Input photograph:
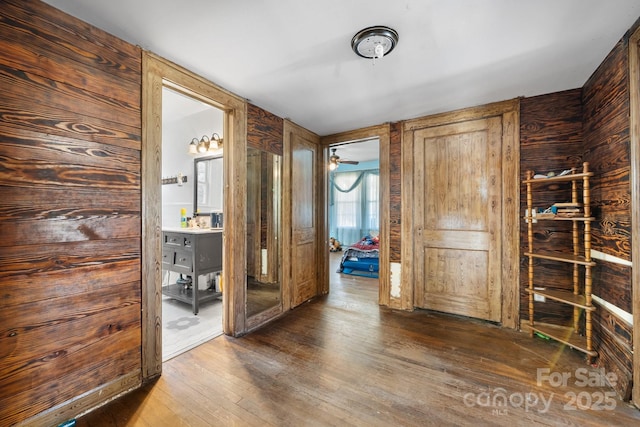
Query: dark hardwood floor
(342, 360)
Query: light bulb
(193, 146)
(379, 51)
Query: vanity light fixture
(216, 142)
(193, 146)
(205, 144)
(374, 42)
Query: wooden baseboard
(86, 402)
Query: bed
(361, 258)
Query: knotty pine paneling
(606, 147)
(550, 140)
(70, 218)
(395, 192)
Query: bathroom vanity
(192, 252)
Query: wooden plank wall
(395, 193)
(606, 147)
(70, 194)
(550, 140)
(264, 130)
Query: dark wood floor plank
(342, 360)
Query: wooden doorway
(158, 73)
(383, 134)
(458, 218)
(505, 261)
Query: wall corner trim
(616, 311)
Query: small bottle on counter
(183, 218)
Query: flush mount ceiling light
(374, 42)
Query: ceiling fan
(335, 160)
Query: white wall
(183, 119)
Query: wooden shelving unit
(580, 297)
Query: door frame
(510, 113)
(157, 73)
(383, 134)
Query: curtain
(354, 205)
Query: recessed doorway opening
(192, 185)
(354, 211)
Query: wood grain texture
(550, 140)
(264, 130)
(151, 246)
(607, 147)
(509, 157)
(612, 282)
(511, 216)
(606, 124)
(264, 133)
(634, 135)
(615, 338)
(304, 220)
(302, 215)
(342, 360)
(102, 119)
(70, 185)
(458, 221)
(395, 193)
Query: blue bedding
(359, 261)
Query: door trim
(510, 113)
(383, 133)
(156, 73)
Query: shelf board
(178, 293)
(566, 297)
(569, 258)
(565, 335)
(563, 178)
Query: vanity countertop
(192, 230)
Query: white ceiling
(294, 59)
(361, 151)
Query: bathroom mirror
(208, 189)
(264, 181)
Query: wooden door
(304, 216)
(457, 213)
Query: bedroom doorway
(354, 211)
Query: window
(347, 204)
(355, 205)
(372, 214)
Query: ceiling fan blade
(349, 162)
